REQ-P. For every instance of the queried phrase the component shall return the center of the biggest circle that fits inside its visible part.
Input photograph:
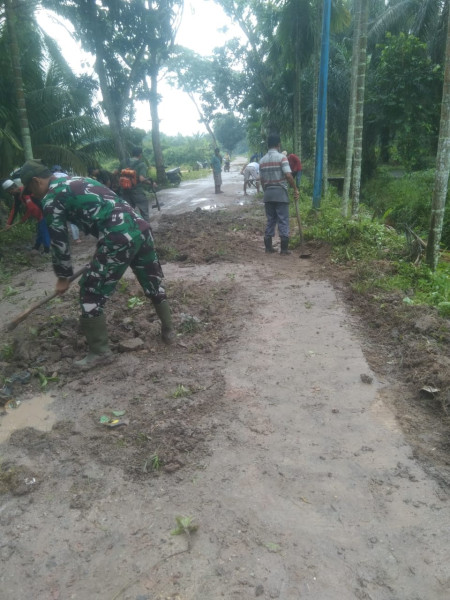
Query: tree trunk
(442, 167)
(11, 21)
(114, 120)
(156, 138)
(352, 110)
(297, 142)
(359, 113)
(109, 108)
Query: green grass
(378, 253)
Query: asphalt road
(199, 193)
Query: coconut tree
(352, 107)
(63, 127)
(442, 167)
(12, 15)
(359, 105)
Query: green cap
(30, 169)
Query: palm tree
(352, 108)
(359, 106)
(11, 13)
(442, 166)
(63, 126)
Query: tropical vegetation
(387, 103)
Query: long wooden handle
(299, 222)
(33, 307)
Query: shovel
(33, 307)
(157, 204)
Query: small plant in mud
(55, 301)
(9, 291)
(135, 302)
(7, 351)
(189, 324)
(43, 379)
(123, 285)
(185, 525)
(155, 461)
(181, 391)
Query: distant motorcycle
(174, 175)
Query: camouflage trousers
(125, 243)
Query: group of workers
(124, 240)
(121, 226)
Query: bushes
(361, 239)
(405, 200)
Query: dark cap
(32, 168)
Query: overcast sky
(199, 31)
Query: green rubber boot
(284, 245)
(165, 316)
(94, 329)
(268, 244)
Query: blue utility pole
(322, 107)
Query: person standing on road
(136, 195)
(216, 164)
(124, 240)
(275, 174)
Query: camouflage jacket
(89, 205)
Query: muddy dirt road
(264, 427)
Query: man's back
(272, 169)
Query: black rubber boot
(94, 329)
(165, 316)
(284, 243)
(268, 244)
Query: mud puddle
(35, 412)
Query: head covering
(30, 169)
(284, 152)
(56, 168)
(7, 184)
(18, 182)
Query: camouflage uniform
(124, 240)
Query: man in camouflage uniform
(124, 240)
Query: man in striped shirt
(275, 174)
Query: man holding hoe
(124, 240)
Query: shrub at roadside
(405, 200)
(379, 255)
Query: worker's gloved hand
(62, 285)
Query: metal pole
(322, 103)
